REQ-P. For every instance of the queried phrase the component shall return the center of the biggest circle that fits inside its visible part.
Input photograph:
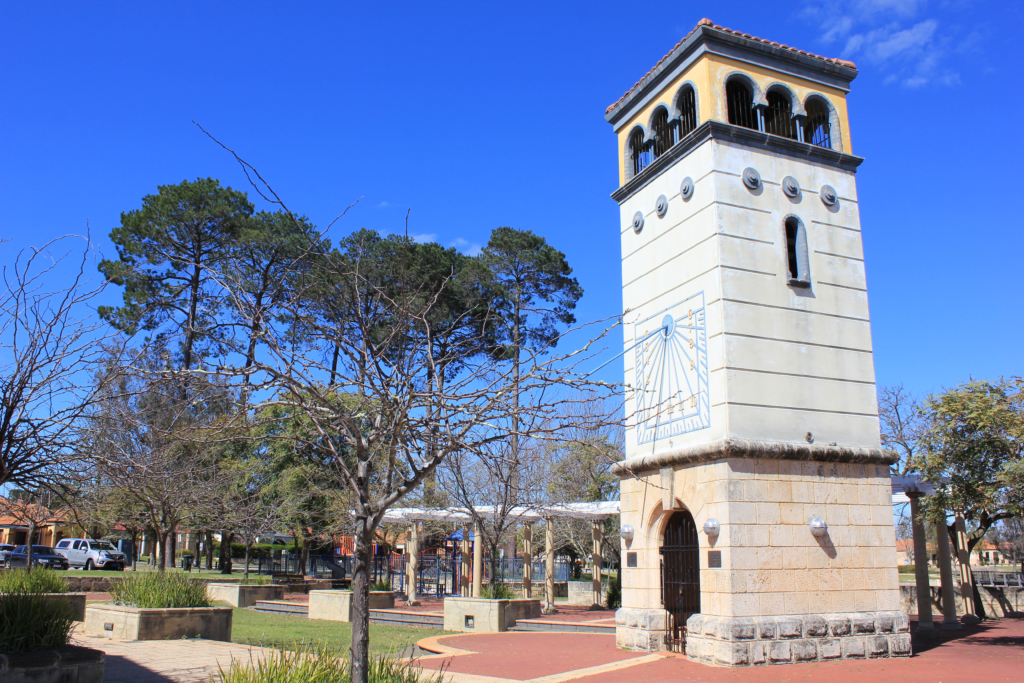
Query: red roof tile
(708, 22)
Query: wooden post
(925, 627)
(598, 563)
(966, 576)
(528, 560)
(549, 566)
(464, 583)
(413, 565)
(478, 560)
(949, 620)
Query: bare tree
(903, 424)
(33, 509)
(49, 345)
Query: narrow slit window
(741, 105)
(797, 262)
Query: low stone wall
(337, 605)
(75, 601)
(243, 596)
(119, 622)
(750, 641)
(70, 665)
(481, 615)
(999, 602)
(582, 593)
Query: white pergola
(524, 515)
(529, 515)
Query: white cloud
(423, 237)
(466, 247)
(890, 36)
(383, 205)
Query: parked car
(4, 549)
(88, 553)
(42, 556)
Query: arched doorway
(680, 576)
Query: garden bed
(482, 615)
(71, 664)
(337, 605)
(122, 622)
(244, 595)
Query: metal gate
(680, 576)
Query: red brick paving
(991, 653)
(522, 656)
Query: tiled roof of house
(708, 23)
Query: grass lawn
(282, 630)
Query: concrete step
(282, 607)
(406, 618)
(562, 626)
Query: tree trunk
(225, 552)
(28, 546)
(209, 550)
(174, 549)
(248, 547)
(165, 546)
(304, 557)
(360, 651)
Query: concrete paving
(167, 661)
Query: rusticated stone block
(766, 628)
(780, 653)
(900, 622)
(740, 628)
(758, 653)
(830, 649)
(732, 654)
(878, 646)
(815, 626)
(804, 650)
(692, 648)
(789, 627)
(899, 645)
(695, 624)
(853, 648)
(863, 623)
(711, 627)
(884, 622)
(621, 616)
(839, 625)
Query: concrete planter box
(76, 601)
(480, 615)
(337, 605)
(243, 596)
(70, 665)
(582, 593)
(120, 622)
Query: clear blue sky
(485, 114)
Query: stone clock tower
(756, 511)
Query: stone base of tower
(643, 630)
(755, 641)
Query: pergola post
(597, 560)
(549, 566)
(413, 565)
(925, 627)
(464, 581)
(949, 620)
(966, 576)
(528, 560)
(478, 560)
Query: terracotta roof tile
(709, 23)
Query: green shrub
(906, 569)
(501, 592)
(159, 589)
(311, 663)
(383, 585)
(255, 581)
(37, 581)
(33, 622)
(613, 596)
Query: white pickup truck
(88, 553)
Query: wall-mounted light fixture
(626, 532)
(818, 527)
(712, 527)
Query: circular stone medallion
(661, 206)
(828, 195)
(686, 189)
(751, 178)
(638, 222)
(790, 186)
